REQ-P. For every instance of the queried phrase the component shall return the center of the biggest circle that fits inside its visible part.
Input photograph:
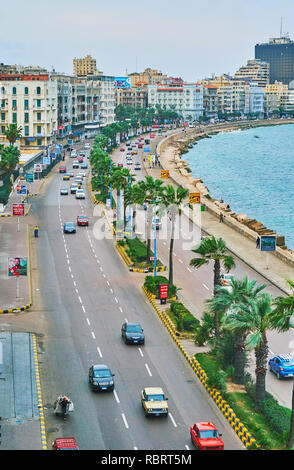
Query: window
(38, 90)
(39, 141)
(13, 104)
(2, 103)
(2, 116)
(38, 116)
(26, 91)
(39, 129)
(26, 104)
(38, 103)
(14, 90)
(2, 129)
(26, 129)
(26, 117)
(14, 117)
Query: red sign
(18, 209)
(163, 291)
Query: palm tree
(211, 249)
(13, 132)
(256, 319)
(173, 199)
(152, 189)
(233, 300)
(120, 179)
(9, 158)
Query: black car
(69, 227)
(132, 333)
(101, 378)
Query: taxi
(66, 177)
(153, 401)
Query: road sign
(38, 168)
(18, 209)
(21, 189)
(194, 198)
(268, 242)
(29, 177)
(164, 174)
(152, 258)
(46, 160)
(163, 291)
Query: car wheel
(278, 375)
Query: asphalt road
(198, 283)
(87, 294)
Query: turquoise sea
(253, 171)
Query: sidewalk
(34, 189)
(13, 244)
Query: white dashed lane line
(172, 420)
(99, 351)
(125, 420)
(116, 397)
(140, 351)
(148, 370)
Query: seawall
(173, 147)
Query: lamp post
(154, 212)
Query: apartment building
(255, 71)
(210, 101)
(149, 76)
(254, 100)
(84, 67)
(136, 96)
(30, 101)
(185, 99)
(231, 98)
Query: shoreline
(172, 148)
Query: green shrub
(137, 249)
(185, 321)
(5, 190)
(152, 284)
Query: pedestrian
(258, 242)
(36, 231)
(221, 217)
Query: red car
(122, 149)
(120, 164)
(62, 169)
(82, 220)
(205, 436)
(140, 146)
(65, 443)
(80, 159)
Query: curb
(39, 395)
(5, 215)
(27, 306)
(241, 431)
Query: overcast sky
(188, 38)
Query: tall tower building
(279, 54)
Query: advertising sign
(164, 174)
(17, 267)
(70, 141)
(146, 148)
(17, 209)
(163, 291)
(122, 82)
(38, 168)
(52, 155)
(194, 198)
(21, 189)
(267, 243)
(46, 161)
(29, 177)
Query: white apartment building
(231, 98)
(254, 100)
(30, 101)
(186, 99)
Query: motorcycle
(63, 406)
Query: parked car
(82, 220)
(132, 333)
(65, 443)
(69, 227)
(153, 401)
(282, 365)
(205, 436)
(80, 194)
(63, 191)
(101, 378)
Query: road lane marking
(99, 351)
(204, 285)
(116, 396)
(173, 421)
(108, 283)
(116, 300)
(121, 309)
(190, 270)
(88, 321)
(180, 261)
(84, 310)
(140, 351)
(93, 335)
(111, 290)
(125, 420)
(148, 370)
(187, 447)
(80, 300)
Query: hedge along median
(242, 432)
(134, 253)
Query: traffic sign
(21, 189)
(38, 168)
(163, 291)
(164, 174)
(18, 209)
(194, 198)
(29, 177)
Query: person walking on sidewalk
(258, 242)
(36, 231)
(221, 217)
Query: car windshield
(209, 434)
(157, 397)
(102, 373)
(69, 224)
(288, 364)
(82, 217)
(134, 329)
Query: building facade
(279, 54)
(149, 76)
(255, 71)
(136, 96)
(84, 67)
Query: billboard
(17, 267)
(267, 243)
(122, 82)
(21, 189)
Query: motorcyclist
(64, 402)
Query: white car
(80, 194)
(137, 166)
(73, 154)
(129, 162)
(75, 164)
(87, 146)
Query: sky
(191, 39)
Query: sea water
(253, 172)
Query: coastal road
(198, 283)
(87, 294)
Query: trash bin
(202, 207)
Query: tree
(256, 319)
(13, 133)
(9, 158)
(212, 249)
(284, 310)
(227, 301)
(172, 200)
